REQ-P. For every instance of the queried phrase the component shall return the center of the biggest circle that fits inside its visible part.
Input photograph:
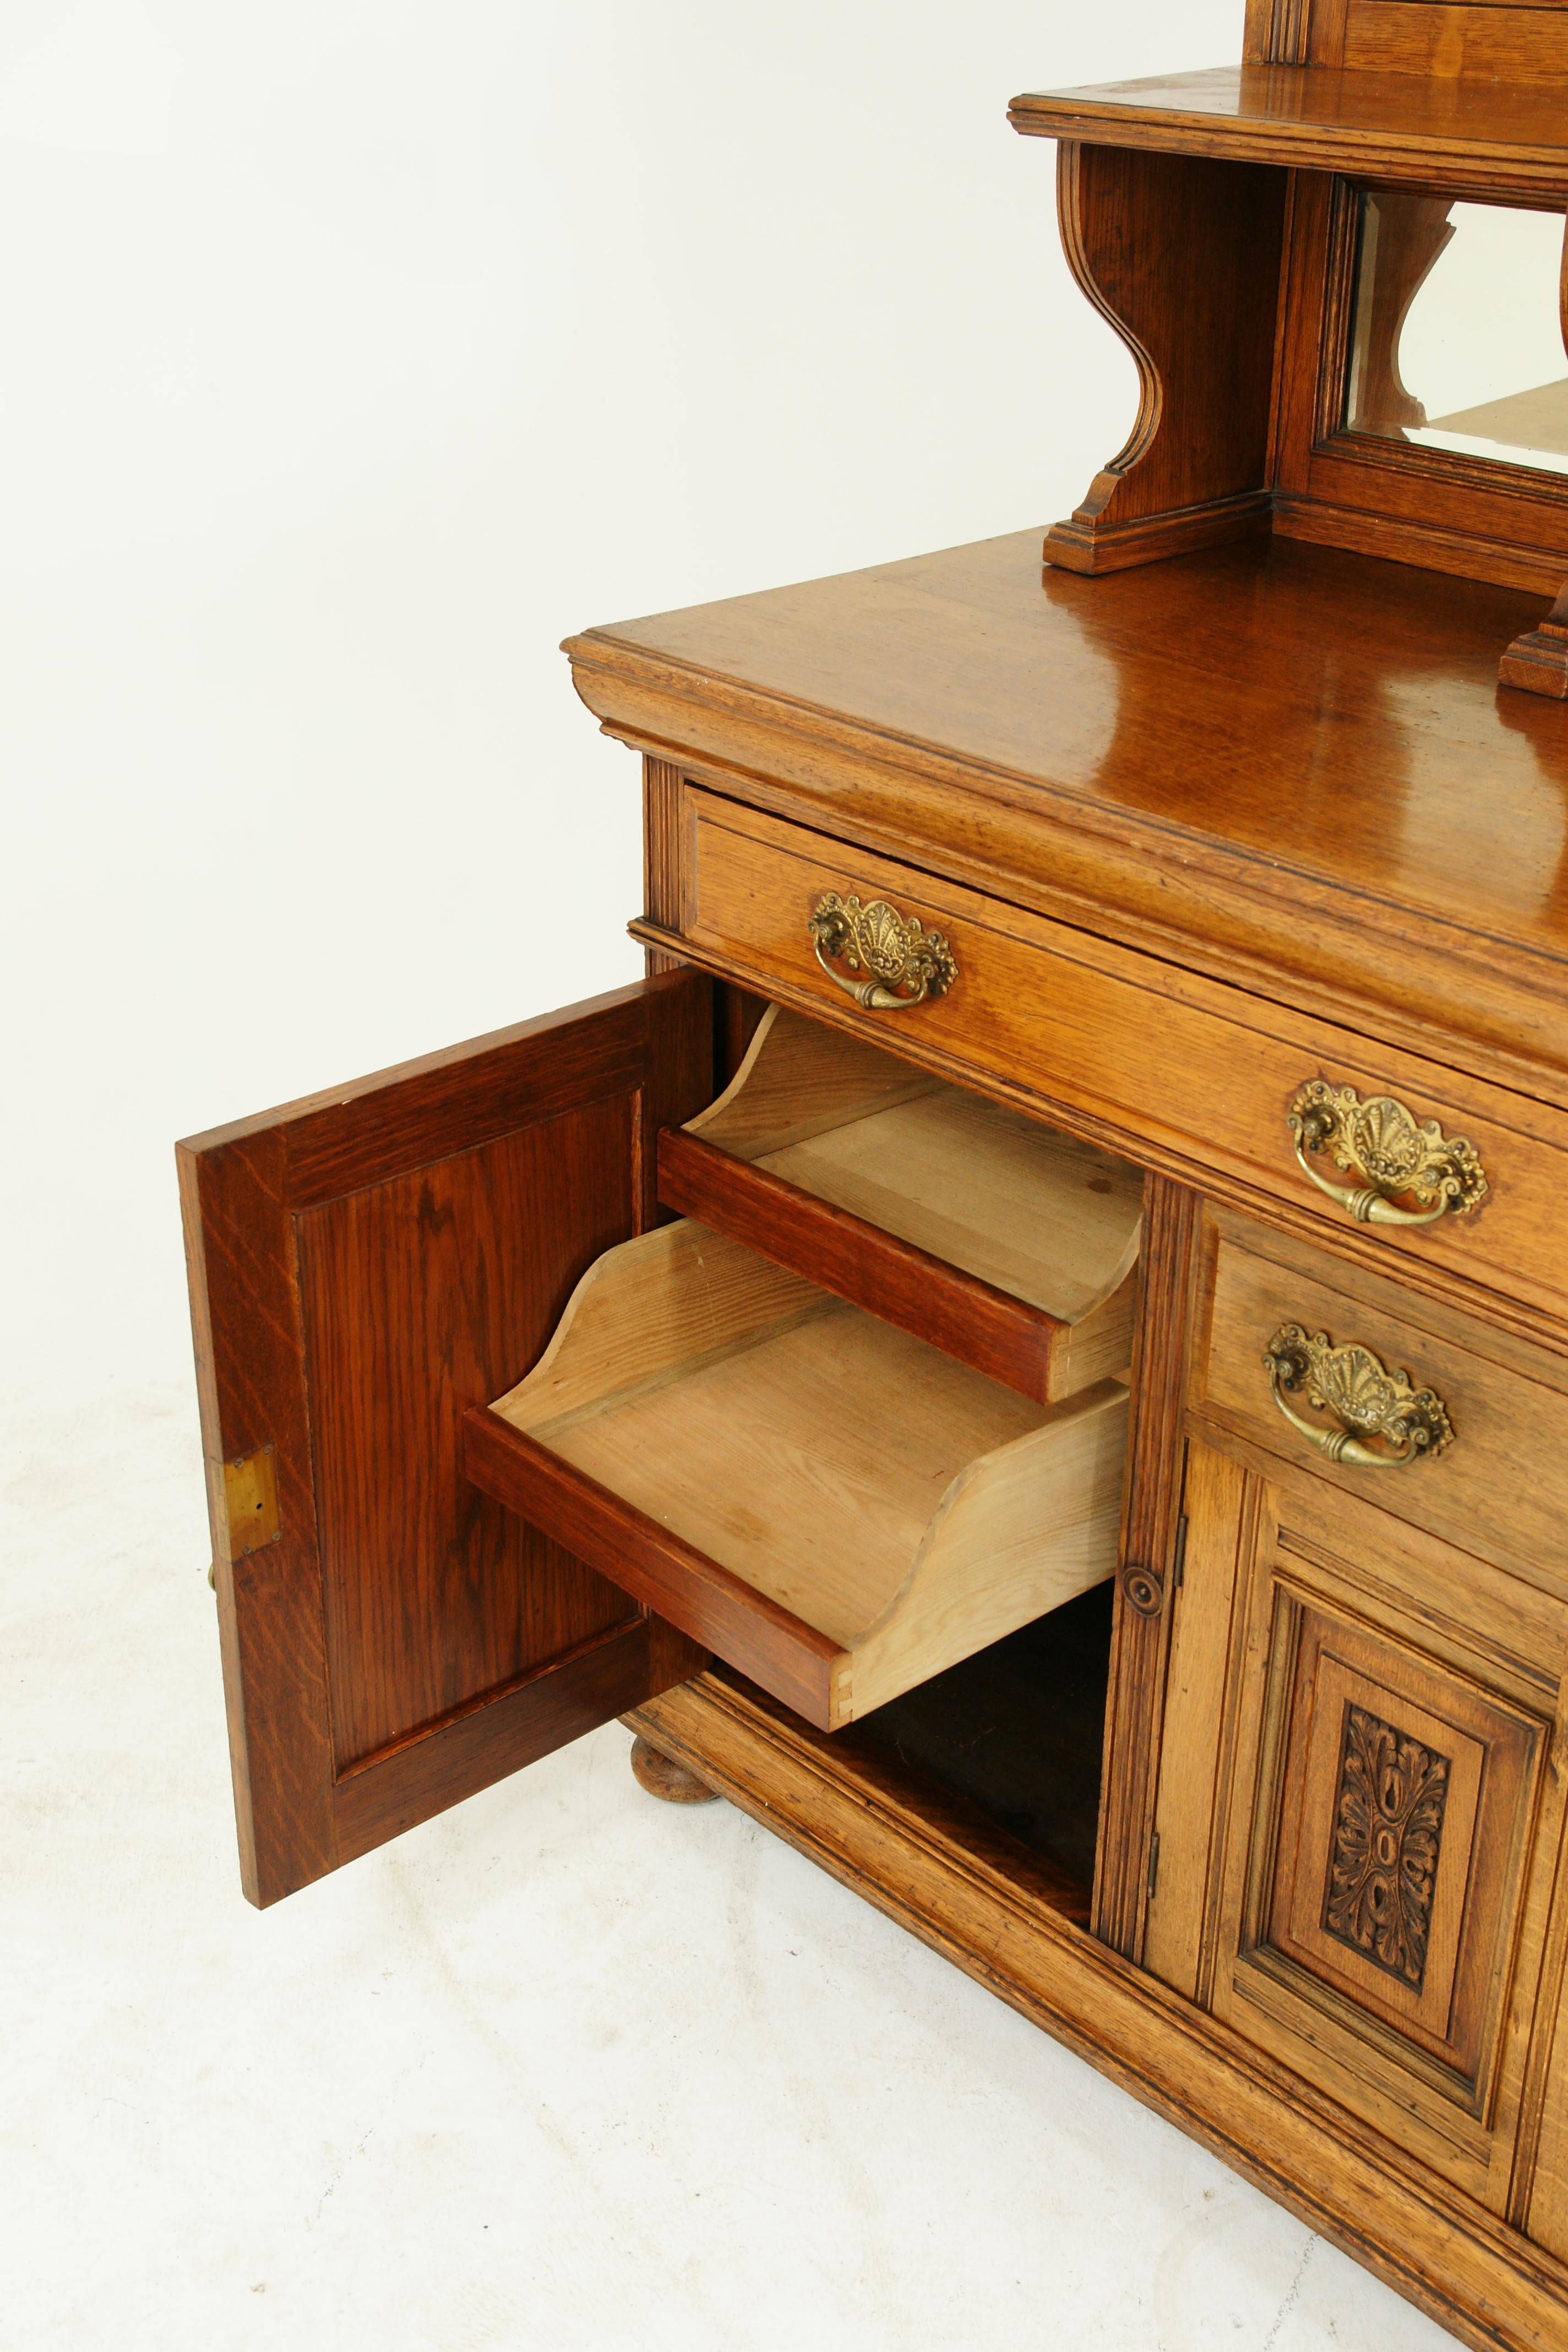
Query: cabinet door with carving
(1358, 1825)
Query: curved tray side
(1018, 1532)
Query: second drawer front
(1200, 1074)
(1498, 1488)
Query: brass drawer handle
(1381, 1143)
(906, 962)
(1367, 1399)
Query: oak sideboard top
(1287, 765)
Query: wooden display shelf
(835, 1508)
(1010, 1247)
(1497, 137)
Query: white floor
(566, 2070)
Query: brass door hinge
(249, 1503)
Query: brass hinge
(250, 1504)
(1153, 1863)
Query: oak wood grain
(1486, 41)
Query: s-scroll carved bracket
(1181, 254)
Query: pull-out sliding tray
(1009, 1246)
(835, 1508)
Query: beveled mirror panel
(1456, 335)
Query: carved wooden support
(1182, 254)
(662, 1777)
(1411, 232)
(1538, 661)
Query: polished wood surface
(1216, 1503)
(1268, 763)
(1182, 264)
(363, 1265)
(1493, 136)
(1537, 660)
(773, 1441)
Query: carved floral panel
(1382, 1853)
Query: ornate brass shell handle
(903, 962)
(1390, 1150)
(1368, 1401)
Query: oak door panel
(1386, 1855)
(364, 1267)
(1385, 1827)
(470, 1263)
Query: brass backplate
(250, 1502)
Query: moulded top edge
(1379, 124)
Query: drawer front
(1492, 1476)
(1195, 1076)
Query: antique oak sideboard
(1031, 1352)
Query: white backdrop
(357, 351)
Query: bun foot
(662, 1777)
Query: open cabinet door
(364, 1266)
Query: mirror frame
(1479, 517)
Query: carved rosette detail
(1395, 1156)
(1387, 1834)
(1142, 1590)
(905, 962)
